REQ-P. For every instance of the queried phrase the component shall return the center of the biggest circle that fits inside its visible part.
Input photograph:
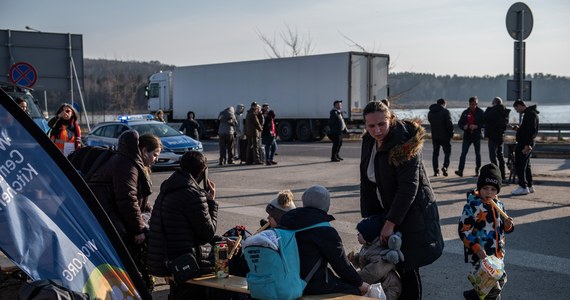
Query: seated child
(481, 227)
(279, 206)
(373, 268)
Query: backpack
(276, 274)
(48, 290)
(87, 160)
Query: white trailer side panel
(296, 87)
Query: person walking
(253, 133)
(526, 133)
(441, 134)
(496, 119)
(336, 128)
(190, 126)
(394, 184)
(471, 122)
(226, 132)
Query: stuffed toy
(392, 254)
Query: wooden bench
(239, 285)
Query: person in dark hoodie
(322, 242)
(122, 186)
(496, 121)
(526, 133)
(394, 184)
(441, 134)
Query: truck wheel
(304, 132)
(285, 131)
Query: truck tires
(286, 131)
(304, 131)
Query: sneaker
(459, 173)
(444, 171)
(520, 191)
(435, 174)
(531, 189)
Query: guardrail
(559, 130)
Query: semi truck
(301, 90)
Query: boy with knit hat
(373, 268)
(481, 227)
(279, 206)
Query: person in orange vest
(65, 131)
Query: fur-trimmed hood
(405, 141)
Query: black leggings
(411, 285)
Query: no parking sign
(24, 74)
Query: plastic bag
(376, 291)
(485, 277)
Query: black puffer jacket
(320, 242)
(529, 128)
(496, 121)
(407, 196)
(440, 122)
(187, 217)
(122, 186)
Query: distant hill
(112, 86)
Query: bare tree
(294, 45)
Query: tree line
(118, 87)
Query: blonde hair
(285, 199)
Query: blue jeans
(467, 141)
(270, 151)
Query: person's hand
(465, 127)
(481, 253)
(139, 239)
(526, 150)
(211, 195)
(364, 288)
(473, 126)
(350, 256)
(386, 232)
(508, 224)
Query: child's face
(361, 239)
(488, 192)
(272, 222)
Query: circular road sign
(519, 13)
(24, 74)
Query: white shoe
(520, 191)
(531, 189)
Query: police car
(174, 143)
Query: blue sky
(463, 37)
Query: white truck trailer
(300, 90)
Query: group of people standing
(494, 121)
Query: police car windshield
(158, 129)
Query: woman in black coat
(394, 183)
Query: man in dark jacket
(526, 133)
(253, 133)
(471, 122)
(184, 217)
(336, 128)
(441, 134)
(322, 243)
(496, 122)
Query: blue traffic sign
(24, 74)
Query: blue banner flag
(51, 225)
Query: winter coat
(374, 269)
(240, 126)
(268, 133)
(187, 217)
(440, 122)
(528, 128)
(320, 242)
(407, 198)
(496, 122)
(481, 227)
(65, 131)
(252, 124)
(228, 121)
(192, 128)
(122, 186)
(336, 122)
(479, 121)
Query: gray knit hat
(317, 196)
(276, 211)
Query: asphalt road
(537, 257)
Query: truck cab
(159, 92)
(34, 110)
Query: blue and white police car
(174, 143)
